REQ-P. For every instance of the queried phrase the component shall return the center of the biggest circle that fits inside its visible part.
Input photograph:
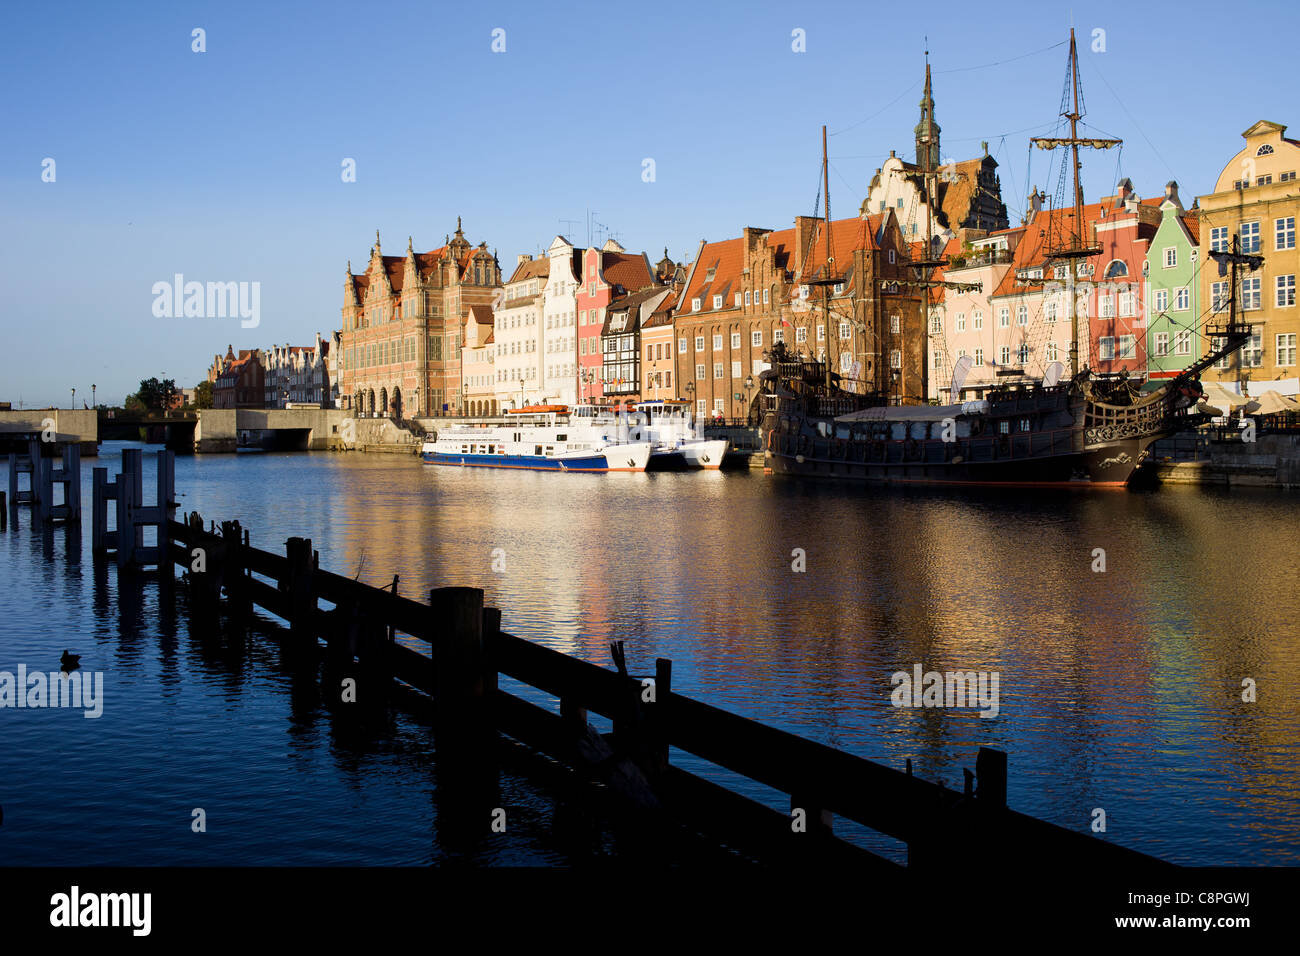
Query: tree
(157, 395)
(203, 395)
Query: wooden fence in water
(942, 828)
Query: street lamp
(521, 393)
(749, 385)
(92, 396)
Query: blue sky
(225, 165)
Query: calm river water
(1118, 689)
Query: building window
(891, 251)
(1183, 342)
(1250, 237)
(1250, 293)
(937, 364)
(1005, 357)
(1286, 348)
(756, 338)
(1162, 344)
(681, 345)
(778, 335)
(936, 325)
(1252, 353)
(1126, 304)
(1024, 354)
(1285, 290)
(1022, 315)
(718, 407)
(1263, 180)
(1004, 318)
(895, 358)
(699, 343)
(977, 317)
(717, 341)
(801, 334)
(1127, 347)
(1051, 351)
(747, 302)
(1219, 295)
(699, 371)
(766, 296)
(821, 333)
(717, 301)
(735, 370)
(1182, 299)
(1288, 177)
(695, 305)
(1105, 305)
(1106, 348)
(735, 340)
(1216, 343)
(961, 321)
(1161, 300)
(1284, 232)
(737, 300)
(1171, 257)
(1219, 239)
(895, 325)
(979, 357)
(845, 331)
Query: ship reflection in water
(1118, 688)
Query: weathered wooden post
(459, 658)
(207, 569)
(239, 600)
(659, 717)
(4, 512)
(991, 772)
(297, 587)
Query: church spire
(927, 131)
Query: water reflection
(1119, 688)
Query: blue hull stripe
(533, 462)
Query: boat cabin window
(561, 437)
(464, 449)
(492, 449)
(1004, 427)
(1024, 424)
(550, 449)
(537, 450)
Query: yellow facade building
(1257, 196)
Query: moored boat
(543, 438)
(678, 441)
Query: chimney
(804, 229)
(1171, 193)
(521, 259)
(1035, 202)
(1124, 189)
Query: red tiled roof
(725, 259)
(532, 269)
(1193, 224)
(1048, 227)
(847, 236)
(629, 270)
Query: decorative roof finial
(458, 230)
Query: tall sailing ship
(1090, 428)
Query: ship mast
(1075, 248)
(830, 262)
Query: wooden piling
(991, 771)
(459, 658)
(297, 587)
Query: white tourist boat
(678, 441)
(542, 437)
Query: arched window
(1116, 270)
(1264, 150)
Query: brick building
(744, 295)
(403, 319)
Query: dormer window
(695, 305)
(712, 271)
(717, 301)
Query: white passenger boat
(542, 437)
(678, 441)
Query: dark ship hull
(1078, 433)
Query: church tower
(927, 131)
